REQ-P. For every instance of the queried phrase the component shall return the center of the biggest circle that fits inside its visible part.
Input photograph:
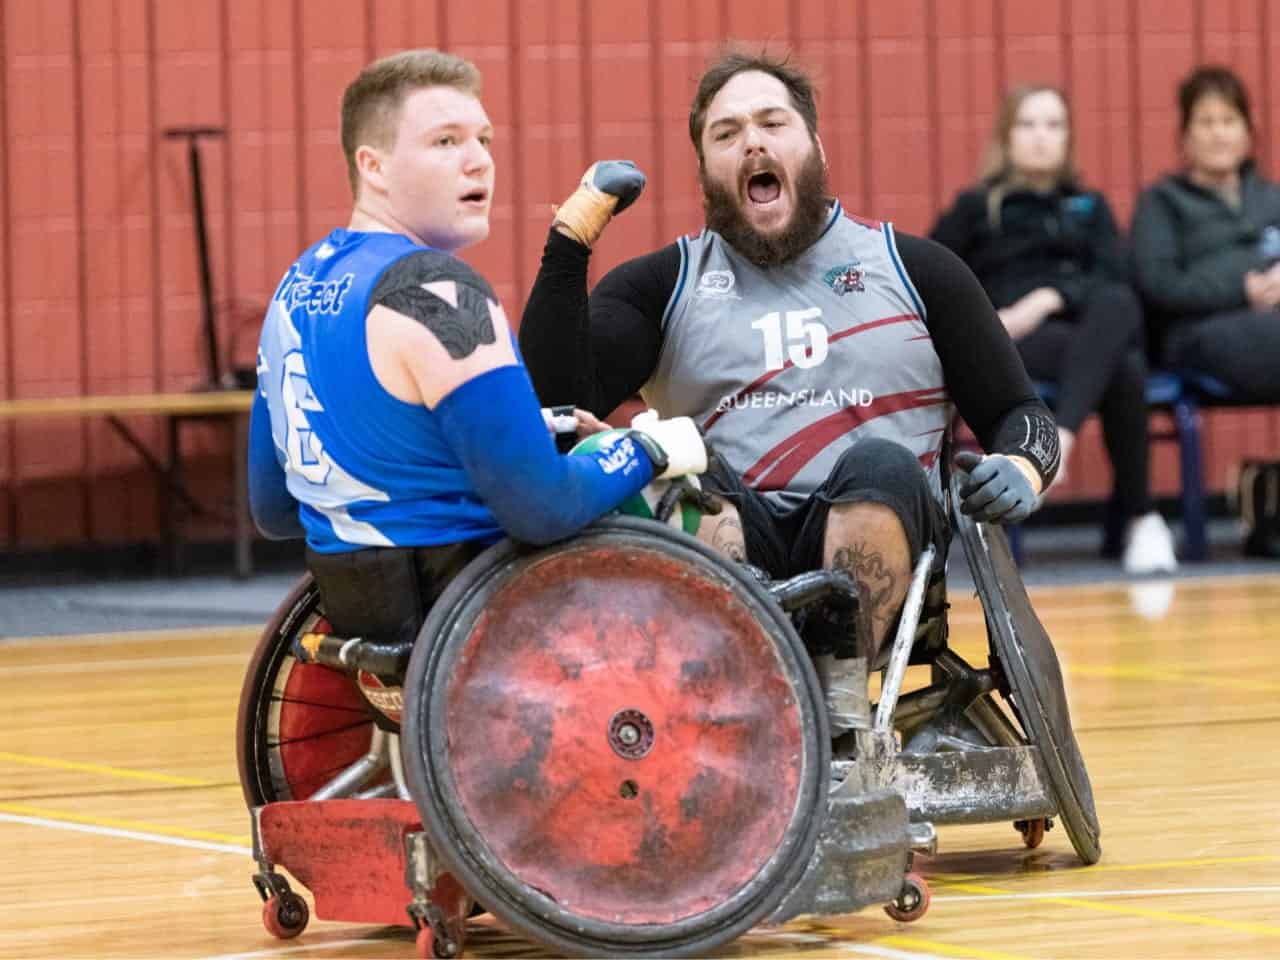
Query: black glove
(997, 490)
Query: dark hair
(798, 83)
(1203, 81)
(371, 103)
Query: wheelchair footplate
(364, 861)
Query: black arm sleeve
(981, 366)
(595, 352)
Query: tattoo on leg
(875, 580)
(728, 538)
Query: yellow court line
(946, 949)
(948, 879)
(173, 636)
(23, 809)
(1134, 672)
(119, 772)
(1202, 862)
(1191, 919)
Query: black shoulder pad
(460, 329)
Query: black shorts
(785, 542)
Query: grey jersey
(787, 367)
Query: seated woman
(1049, 255)
(1207, 245)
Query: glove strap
(655, 453)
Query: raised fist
(608, 187)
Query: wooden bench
(227, 406)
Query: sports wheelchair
(619, 746)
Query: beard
(724, 216)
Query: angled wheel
(1025, 653)
(617, 743)
(299, 723)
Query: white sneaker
(1150, 546)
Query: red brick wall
(98, 286)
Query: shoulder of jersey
(429, 266)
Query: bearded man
(824, 355)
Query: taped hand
(607, 188)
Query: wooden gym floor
(123, 832)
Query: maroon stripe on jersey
(756, 384)
(865, 221)
(779, 466)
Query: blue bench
(1180, 395)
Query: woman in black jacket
(1207, 245)
(1049, 255)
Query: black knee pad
(880, 471)
(876, 463)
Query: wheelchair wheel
(299, 724)
(1022, 648)
(617, 743)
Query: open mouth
(763, 187)
(477, 196)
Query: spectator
(1049, 255)
(1207, 245)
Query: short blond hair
(371, 103)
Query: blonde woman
(1049, 255)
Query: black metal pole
(193, 135)
(202, 254)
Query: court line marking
(947, 880)
(1088, 894)
(1133, 671)
(122, 833)
(863, 949)
(297, 948)
(34, 760)
(104, 666)
(141, 831)
(18, 813)
(945, 949)
(1190, 919)
(883, 946)
(158, 635)
(1196, 862)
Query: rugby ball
(686, 516)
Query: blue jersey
(366, 468)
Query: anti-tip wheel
(913, 900)
(285, 915)
(1033, 831)
(432, 948)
